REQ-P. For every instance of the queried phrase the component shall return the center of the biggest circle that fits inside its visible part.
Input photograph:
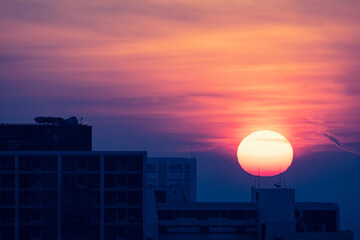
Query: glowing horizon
(202, 73)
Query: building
(178, 174)
(50, 192)
(56, 136)
(272, 214)
(72, 195)
(216, 221)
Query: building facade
(49, 192)
(272, 214)
(215, 221)
(72, 195)
(45, 137)
(178, 174)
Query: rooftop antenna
(278, 185)
(280, 175)
(258, 177)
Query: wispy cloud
(341, 145)
(322, 129)
(213, 71)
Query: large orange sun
(265, 153)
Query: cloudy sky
(175, 77)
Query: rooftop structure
(59, 135)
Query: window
(134, 163)
(36, 197)
(36, 180)
(299, 227)
(173, 182)
(176, 168)
(110, 215)
(93, 180)
(7, 163)
(7, 215)
(135, 198)
(82, 180)
(121, 214)
(114, 163)
(110, 181)
(25, 198)
(25, 180)
(68, 163)
(32, 162)
(49, 198)
(236, 215)
(121, 180)
(166, 215)
(110, 232)
(7, 198)
(109, 163)
(134, 180)
(49, 215)
(36, 214)
(68, 181)
(134, 232)
(7, 180)
(82, 163)
(94, 216)
(314, 228)
(151, 182)
(151, 168)
(190, 214)
(114, 232)
(7, 232)
(94, 198)
(35, 163)
(49, 181)
(187, 167)
(204, 229)
(25, 215)
(93, 162)
(160, 196)
(134, 215)
(110, 197)
(49, 164)
(121, 196)
(49, 232)
(24, 163)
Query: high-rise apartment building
(71, 195)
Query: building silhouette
(72, 195)
(179, 174)
(45, 137)
(272, 214)
(57, 188)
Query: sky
(193, 78)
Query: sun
(265, 153)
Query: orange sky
(209, 72)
